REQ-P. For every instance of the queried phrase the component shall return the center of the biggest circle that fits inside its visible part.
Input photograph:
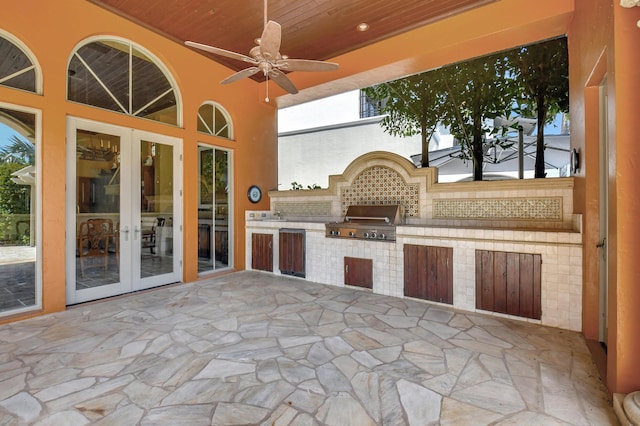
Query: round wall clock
(254, 193)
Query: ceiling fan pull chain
(267, 83)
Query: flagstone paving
(254, 348)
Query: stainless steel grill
(368, 223)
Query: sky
(5, 135)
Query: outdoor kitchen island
(509, 248)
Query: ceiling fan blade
(247, 72)
(306, 65)
(283, 81)
(270, 40)
(221, 52)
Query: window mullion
(17, 73)
(204, 123)
(101, 83)
(152, 101)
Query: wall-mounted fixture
(630, 3)
(575, 161)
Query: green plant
(297, 186)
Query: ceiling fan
(266, 58)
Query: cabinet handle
(269, 244)
(346, 269)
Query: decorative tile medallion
(379, 185)
(549, 208)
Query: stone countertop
(553, 236)
(533, 235)
(403, 228)
(284, 223)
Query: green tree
(412, 105)
(476, 90)
(14, 199)
(542, 73)
(18, 151)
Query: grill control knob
(382, 236)
(352, 234)
(374, 235)
(366, 235)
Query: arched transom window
(119, 76)
(17, 69)
(214, 120)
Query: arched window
(119, 76)
(214, 120)
(18, 69)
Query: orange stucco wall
(589, 60)
(624, 371)
(51, 30)
(604, 43)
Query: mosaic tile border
(303, 208)
(544, 208)
(380, 185)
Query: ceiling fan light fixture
(265, 57)
(363, 26)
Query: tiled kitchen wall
(522, 216)
(513, 204)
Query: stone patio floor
(254, 348)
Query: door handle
(125, 231)
(136, 231)
(602, 243)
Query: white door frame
(129, 212)
(603, 242)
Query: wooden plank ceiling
(311, 29)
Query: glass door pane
(155, 229)
(18, 197)
(213, 210)
(221, 209)
(97, 204)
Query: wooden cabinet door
(358, 272)
(428, 273)
(262, 252)
(292, 252)
(509, 283)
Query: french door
(124, 210)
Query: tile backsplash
(384, 178)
